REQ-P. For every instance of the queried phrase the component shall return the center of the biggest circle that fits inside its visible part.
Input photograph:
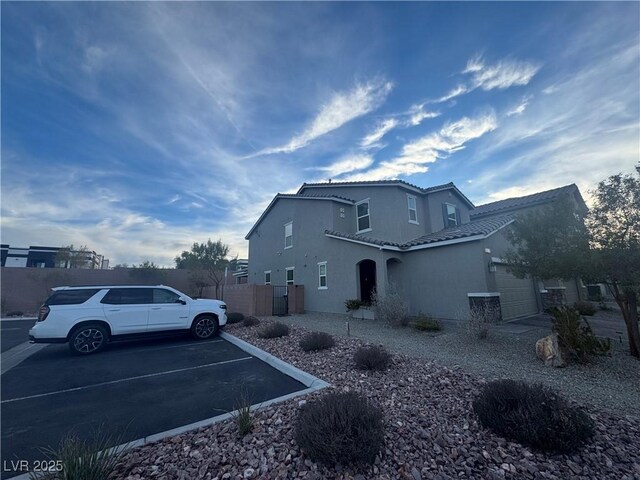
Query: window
(267, 277)
(71, 297)
(289, 276)
(413, 211)
(288, 235)
(128, 296)
(451, 216)
(160, 295)
(362, 212)
(322, 275)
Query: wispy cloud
(349, 163)
(340, 109)
(454, 92)
(380, 131)
(418, 113)
(520, 107)
(418, 154)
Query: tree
(614, 223)
(209, 258)
(70, 257)
(147, 271)
(551, 242)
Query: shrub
(532, 414)
(373, 357)
(92, 459)
(242, 414)
(15, 313)
(234, 317)
(340, 428)
(427, 324)
(577, 339)
(391, 307)
(315, 341)
(585, 308)
(274, 330)
(352, 304)
(481, 319)
(250, 321)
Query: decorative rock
(548, 350)
(415, 474)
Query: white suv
(89, 317)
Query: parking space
(14, 332)
(140, 388)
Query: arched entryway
(367, 279)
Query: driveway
(140, 388)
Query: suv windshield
(71, 297)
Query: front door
(367, 280)
(165, 313)
(127, 309)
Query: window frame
(286, 276)
(320, 276)
(414, 209)
(290, 224)
(120, 289)
(267, 272)
(368, 215)
(153, 297)
(455, 213)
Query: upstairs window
(413, 212)
(288, 235)
(362, 213)
(322, 275)
(451, 215)
(289, 276)
(267, 277)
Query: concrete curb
(312, 383)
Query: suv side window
(160, 295)
(128, 296)
(71, 297)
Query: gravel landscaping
(431, 431)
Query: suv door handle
(114, 309)
(156, 308)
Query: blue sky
(139, 128)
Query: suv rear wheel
(204, 327)
(88, 339)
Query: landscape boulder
(549, 351)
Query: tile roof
(526, 201)
(319, 195)
(472, 229)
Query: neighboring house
(342, 240)
(45, 257)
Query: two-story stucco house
(341, 240)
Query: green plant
(373, 357)
(81, 459)
(315, 341)
(343, 428)
(577, 339)
(250, 321)
(352, 304)
(533, 415)
(242, 414)
(426, 323)
(234, 317)
(274, 330)
(585, 308)
(391, 307)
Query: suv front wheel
(204, 327)
(88, 339)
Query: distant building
(239, 267)
(47, 257)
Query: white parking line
(149, 349)
(112, 382)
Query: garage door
(517, 295)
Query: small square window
(289, 276)
(413, 211)
(362, 214)
(451, 216)
(267, 277)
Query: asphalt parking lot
(14, 332)
(140, 388)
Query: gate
(280, 300)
